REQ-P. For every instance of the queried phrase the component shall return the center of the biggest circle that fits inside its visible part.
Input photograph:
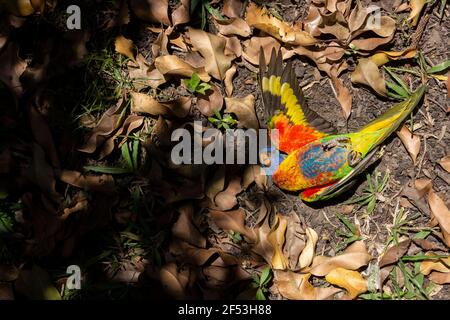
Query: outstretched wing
(285, 106)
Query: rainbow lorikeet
(316, 160)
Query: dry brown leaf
(423, 186)
(232, 8)
(352, 281)
(185, 229)
(244, 109)
(410, 141)
(233, 47)
(11, 68)
(440, 278)
(233, 26)
(276, 238)
(151, 10)
(102, 183)
(260, 18)
(394, 253)
(439, 265)
(143, 75)
(367, 73)
(343, 95)
(125, 47)
(254, 173)
(307, 255)
(181, 14)
(173, 66)
(142, 103)
(382, 57)
(296, 286)
(213, 101)
(295, 243)
(229, 80)
(23, 8)
(353, 258)
(416, 9)
(445, 163)
(226, 199)
(216, 184)
(441, 213)
(232, 221)
(174, 280)
(251, 48)
(159, 46)
(428, 245)
(211, 47)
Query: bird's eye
(354, 157)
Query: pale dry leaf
(233, 26)
(171, 65)
(410, 141)
(232, 8)
(151, 10)
(229, 80)
(296, 286)
(394, 253)
(216, 184)
(143, 74)
(185, 229)
(307, 255)
(244, 108)
(233, 47)
(416, 8)
(211, 47)
(367, 73)
(174, 280)
(423, 186)
(125, 47)
(276, 238)
(441, 213)
(439, 265)
(181, 14)
(226, 199)
(353, 258)
(445, 163)
(440, 278)
(232, 221)
(254, 173)
(382, 57)
(142, 103)
(352, 281)
(343, 95)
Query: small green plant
(205, 8)
(236, 237)
(397, 89)
(195, 85)
(349, 235)
(226, 121)
(261, 282)
(372, 193)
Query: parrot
(314, 159)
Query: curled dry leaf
(445, 163)
(394, 253)
(175, 280)
(352, 281)
(173, 66)
(216, 184)
(296, 286)
(151, 10)
(233, 48)
(276, 238)
(143, 75)
(232, 221)
(343, 95)
(229, 80)
(423, 186)
(181, 14)
(416, 9)
(212, 48)
(226, 199)
(211, 102)
(244, 109)
(102, 183)
(232, 8)
(353, 258)
(440, 278)
(142, 103)
(382, 57)
(367, 73)
(260, 18)
(439, 265)
(125, 47)
(23, 8)
(410, 141)
(441, 213)
(185, 228)
(254, 173)
(307, 255)
(233, 26)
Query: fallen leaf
(254, 173)
(252, 46)
(296, 286)
(423, 186)
(125, 47)
(276, 238)
(151, 10)
(307, 254)
(445, 163)
(410, 141)
(440, 265)
(181, 14)
(232, 8)
(101, 183)
(211, 102)
(143, 74)
(353, 258)
(211, 47)
(229, 80)
(367, 73)
(416, 9)
(23, 8)
(352, 281)
(244, 109)
(262, 19)
(394, 253)
(216, 184)
(185, 229)
(232, 221)
(382, 57)
(226, 199)
(440, 278)
(35, 284)
(233, 26)
(173, 66)
(175, 280)
(343, 95)
(441, 213)
(142, 103)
